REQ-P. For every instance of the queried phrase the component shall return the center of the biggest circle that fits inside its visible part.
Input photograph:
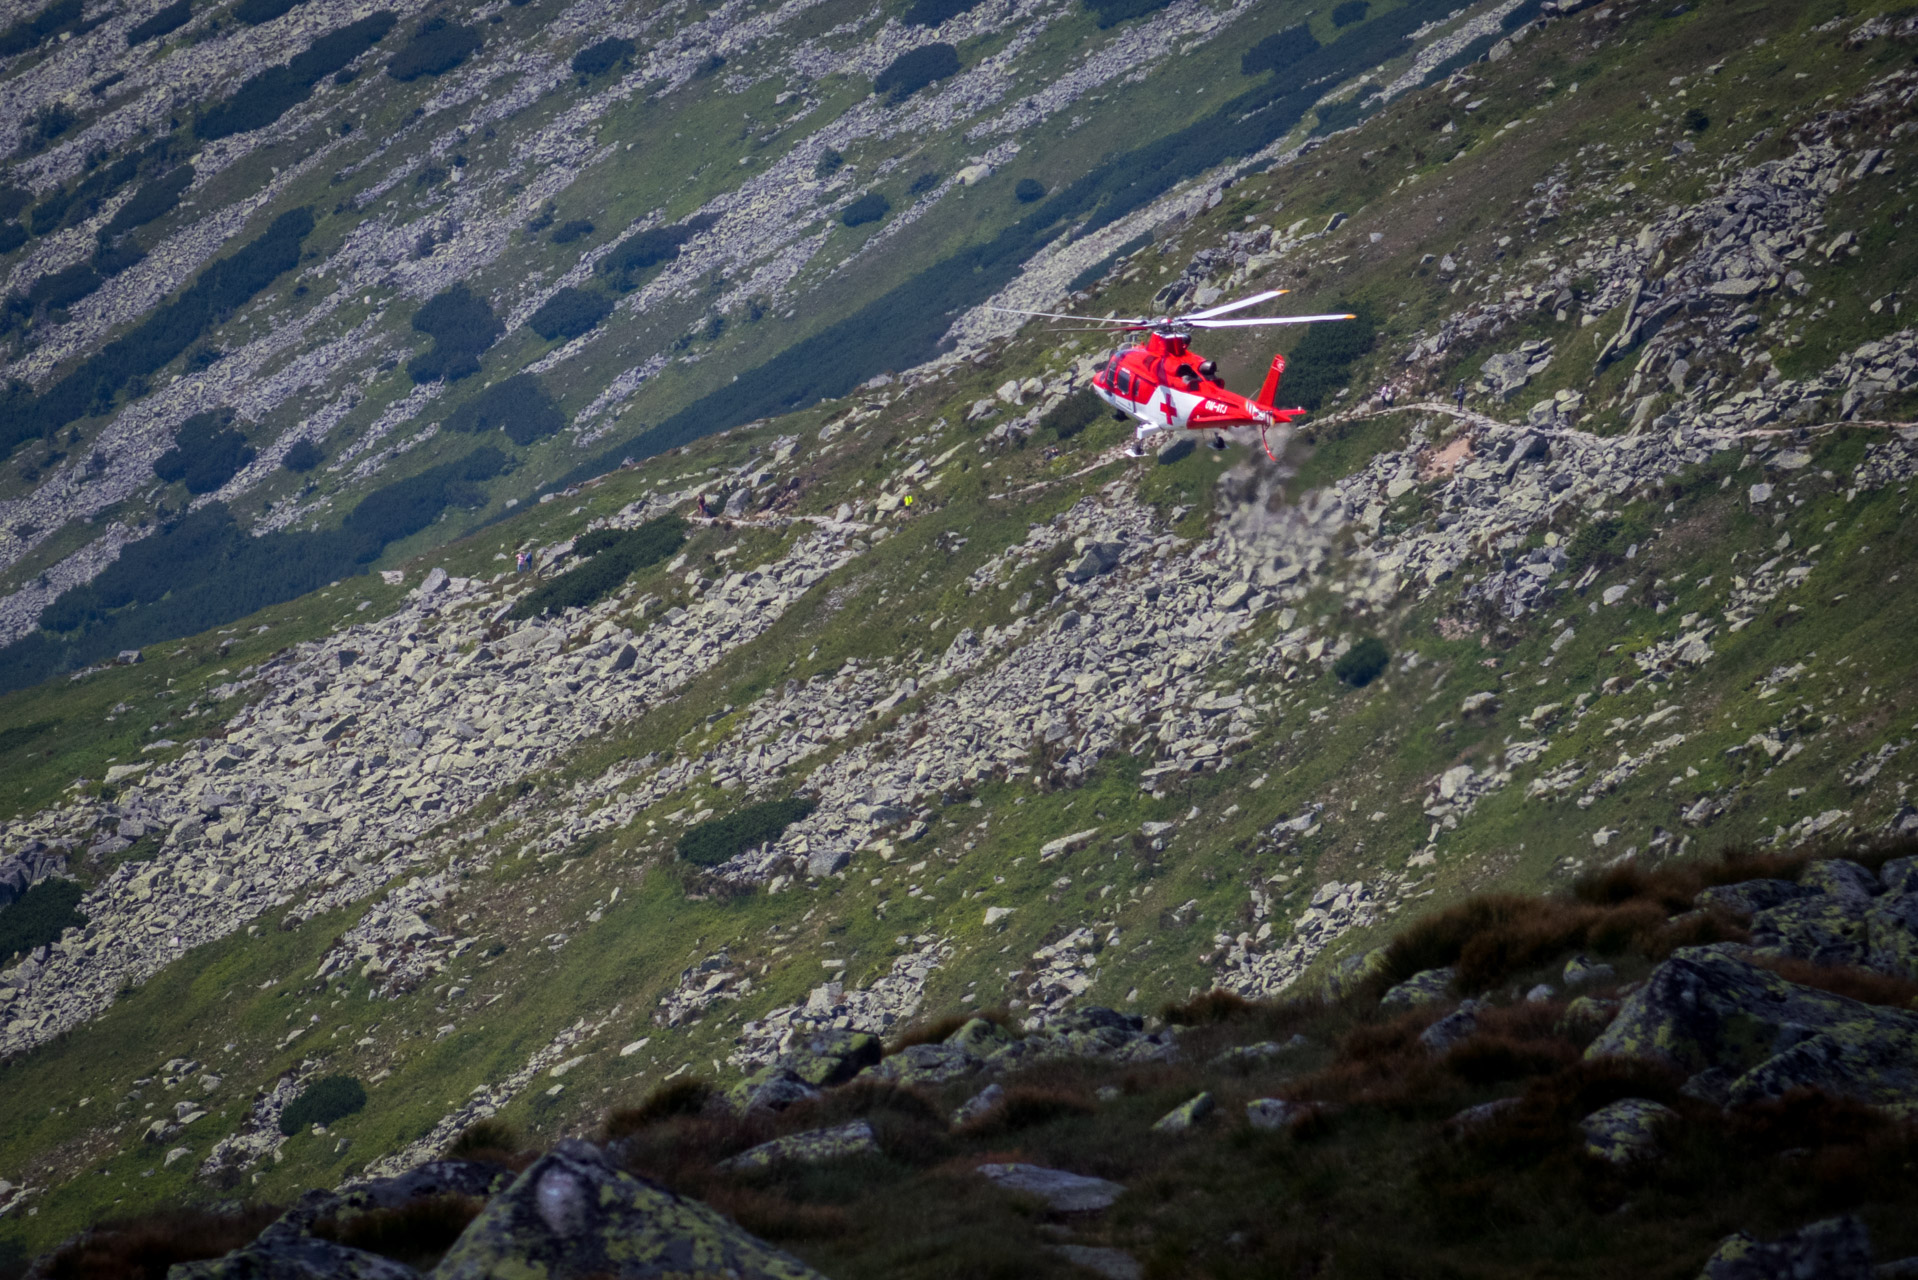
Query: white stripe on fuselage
(1166, 409)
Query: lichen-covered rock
(771, 1088)
(1063, 1192)
(572, 1214)
(434, 1178)
(1250, 1057)
(1707, 1010)
(1900, 876)
(1891, 933)
(1475, 1117)
(923, 1064)
(1274, 1113)
(1184, 1117)
(1749, 897)
(289, 1255)
(1160, 1046)
(1841, 878)
(980, 1037)
(1429, 986)
(1583, 971)
(1587, 1016)
(812, 1147)
(979, 1103)
(1833, 1249)
(1819, 927)
(1353, 972)
(1454, 1028)
(1625, 1131)
(1090, 1032)
(832, 1057)
(1113, 1264)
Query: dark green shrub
(70, 206)
(923, 183)
(932, 13)
(870, 207)
(12, 236)
(612, 556)
(39, 916)
(437, 47)
(29, 33)
(153, 200)
(462, 326)
(254, 12)
(1696, 120)
(404, 507)
(13, 200)
(1363, 662)
(48, 124)
(913, 71)
(1279, 51)
(1027, 190)
(519, 406)
(597, 59)
(1110, 13)
(205, 571)
(569, 313)
(829, 163)
(1603, 543)
(15, 736)
(272, 93)
(906, 325)
(111, 258)
(303, 456)
(327, 1099)
(567, 232)
(1350, 12)
(64, 287)
(1321, 362)
(717, 839)
(627, 265)
(165, 22)
(206, 453)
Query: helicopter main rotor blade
(1242, 303)
(1240, 324)
(1054, 315)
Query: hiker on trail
(1387, 394)
(704, 513)
(523, 562)
(1458, 393)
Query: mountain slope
(1074, 729)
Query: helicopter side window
(1122, 381)
(1187, 376)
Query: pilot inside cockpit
(1208, 371)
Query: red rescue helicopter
(1164, 385)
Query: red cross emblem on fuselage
(1171, 415)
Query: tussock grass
(936, 1030)
(417, 1234)
(687, 1096)
(145, 1247)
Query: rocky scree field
(642, 859)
